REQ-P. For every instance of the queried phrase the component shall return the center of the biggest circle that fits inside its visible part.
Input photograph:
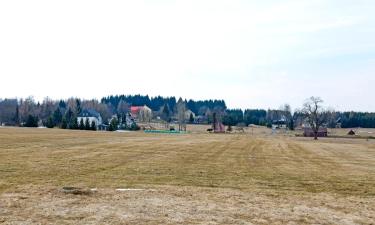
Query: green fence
(165, 132)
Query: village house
(141, 113)
(188, 113)
(280, 124)
(91, 115)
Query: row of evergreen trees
(259, 117)
(159, 102)
(356, 119)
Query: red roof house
(134, 110)
(141, 113)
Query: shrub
(32, 121)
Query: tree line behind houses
(63, 113)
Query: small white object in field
(123, 131)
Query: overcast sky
(251, 54)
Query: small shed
(308, 132)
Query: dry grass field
(197, 178)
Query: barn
(308, 132)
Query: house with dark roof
(91, 115)
(280, 124)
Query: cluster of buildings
(282, 124)
(136, 114)
(143, 114)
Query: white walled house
(280, 124)
(91, 115)
(188, 113)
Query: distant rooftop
(89, 113)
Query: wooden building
(308, 132)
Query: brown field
(197, 178)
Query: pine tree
(73, 124)
(87, 124)
(57, 117)
(113, 125)
(62, 104)
(291, 124)
(64, 123)
(81, 124)
(50, 123)
(32, 121)
(69, 115)
(191, 119)
(166, 113)
(78, 104)
(110, 127)
(69, 119)
(17, 116)
(93, 125)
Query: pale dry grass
(255, 178)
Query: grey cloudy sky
(252, 54)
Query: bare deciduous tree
(27, 107)
(286, 112)
(315, 114)
(105, 111)
(123, 107)
(145, 115)
(47, 107)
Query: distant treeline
(266, 117)
(356, 119)
(63, 113)
(259, 117)
(157, 103)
